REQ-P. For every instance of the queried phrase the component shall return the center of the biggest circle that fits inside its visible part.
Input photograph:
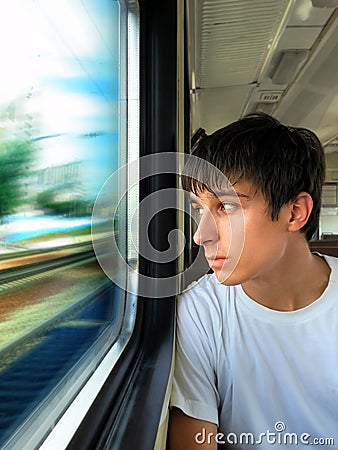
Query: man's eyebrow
(194, 200)
(231, 193)
(219, 194)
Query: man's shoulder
(205, 293)
(332, 262)
(206, 280)
(206, 284)
(204, 305)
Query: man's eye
(198, 211)
(229, 206)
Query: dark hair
(281, 161)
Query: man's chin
(226, 277)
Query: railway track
(24, 265)
(46, 250)
(29, 269)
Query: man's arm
(187, 433)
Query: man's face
(240, 240)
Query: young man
(257, 340)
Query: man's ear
(300, 210)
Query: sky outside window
(60, 90)
(59, 143)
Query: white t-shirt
(268, 374)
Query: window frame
(127, 411)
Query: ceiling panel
(236, 46)
(235, 37)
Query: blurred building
(64, 175)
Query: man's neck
(296, 281)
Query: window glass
(328, 225)
(63, 132)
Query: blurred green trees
(16, 157)
(53, 201)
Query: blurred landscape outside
(59, 118)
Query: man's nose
(206, 232)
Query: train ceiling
(277, 56)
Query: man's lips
(217, 262)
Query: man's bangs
(198, 175)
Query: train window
(69, 122)
(328, 226)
